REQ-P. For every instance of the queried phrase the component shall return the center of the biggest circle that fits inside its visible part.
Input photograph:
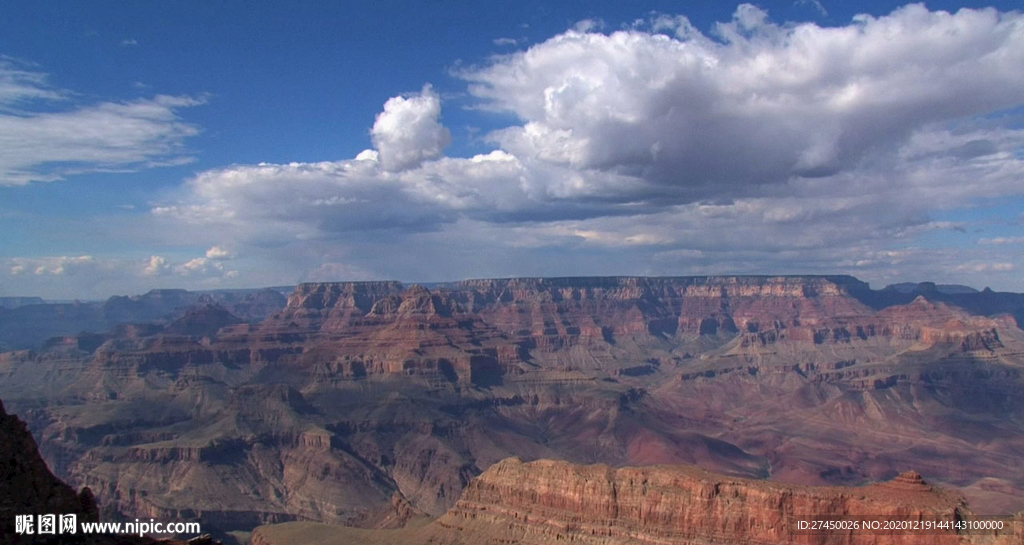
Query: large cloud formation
(757, 147)
(761, 104)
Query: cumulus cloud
(756, 147)
(408, 132)
(40, 143)
(218, 253)
(99, 277)
(760, 104)
(203, 266)
(157, 266)
(55, 266)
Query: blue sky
(206, 146)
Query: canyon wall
(546, 501)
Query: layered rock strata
(545, 502)
(361, 402)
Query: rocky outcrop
(548, 501)
(545, 502)
(203, 320)
(28, 487)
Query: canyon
(29, 488)
(548, 501)
(376, 405)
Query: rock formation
(545, 502)
(28, 487)
(373, 403)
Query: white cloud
(54, 266)
(983, 267)
(99, 277)
(505, 41)
(1002, 240)
(766, 148)
(816, 4)
(218, 253)
(44, 145)
(368, 155)
(703, 117)
(205, 267)
(588, 25)
(128, 42)
(20, 84)
(157, 266)
(408, 132)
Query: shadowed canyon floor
(374, 404)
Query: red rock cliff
(553, 501)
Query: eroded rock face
(360, 403)
(546, 501)
(549, 501)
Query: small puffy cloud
(129, 42)
(86, 276)
(408, 132)
(368, 155)
(205, 267)
(505, 41)
(57, 267)
(47, 144)
(218, 253)
(156, 266)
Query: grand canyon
(531, 410)
(512, 273)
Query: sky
(241, 144)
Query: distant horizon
(406, 284)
